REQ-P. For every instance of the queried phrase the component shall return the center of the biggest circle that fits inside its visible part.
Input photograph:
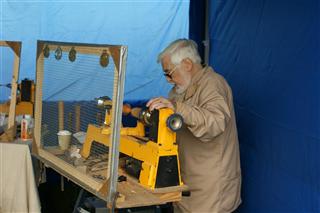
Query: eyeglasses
(168, 73)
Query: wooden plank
(35, 148)
(14, 86)
(40, 48)
(113, 51)
(15, 46)
(69, 171)
(117, 98)
(132, 193)
(116, 57)
(171, 197)
(61, 115)
(55, 150)
(169, 189)
(3, 44)
(70, 121)
(81, 46)
(156, 190)
(82, 49)
(78, 113)
(38, 100)
(136, 196)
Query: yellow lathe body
(25, 99)
(158, 153)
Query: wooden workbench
(131, 193)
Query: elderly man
(208, 144)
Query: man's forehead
(166, 61)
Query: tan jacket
(208, 145)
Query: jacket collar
(191, 90)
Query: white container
(80, 136)
(64, 138)
(3, 120)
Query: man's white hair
(181, 49)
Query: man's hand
(159, 102)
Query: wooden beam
(15, 46)
(38, 99)
(39, 54)
(3, 44)
(70, 172)
(115, 53)
(61, 115)
(78, 120)
(112, 50)
(14, 86)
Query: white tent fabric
(18, 190)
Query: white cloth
(18, 190)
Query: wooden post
(14, 86)
(61, 115)
(78, 113)
(38, 102)
(61, 127)
(70, 119)
(16, 47)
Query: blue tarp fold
(269, 53)
(146, 27)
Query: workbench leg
(80, 199)
(62, 183)
(157, 209)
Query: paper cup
(64, 138)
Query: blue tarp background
(146, 27)
(269, 53)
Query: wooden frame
(58, 164)
(109, 190)
(10, 133)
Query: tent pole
(206, 42)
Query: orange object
(24, 128)
(126, 109)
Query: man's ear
(187, 64)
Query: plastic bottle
(24, 128)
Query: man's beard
(186, 82)
(180, 89)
